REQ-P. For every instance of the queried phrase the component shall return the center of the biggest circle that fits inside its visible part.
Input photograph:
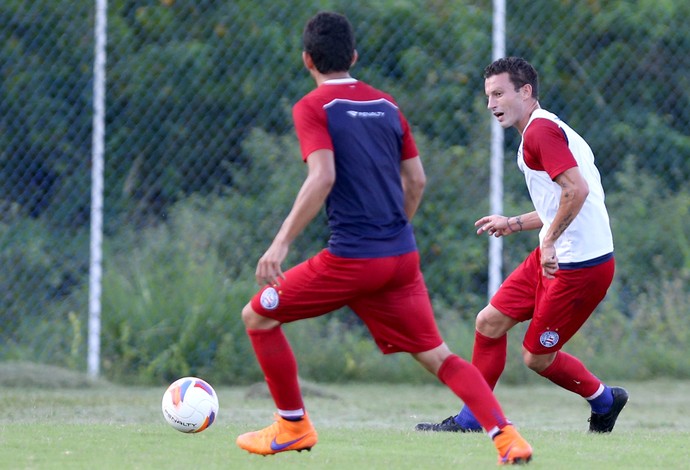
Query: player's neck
(520, 126)
(323, 78)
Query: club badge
(549, 339)
(269, 298)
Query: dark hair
(519, 71)
(330, 41)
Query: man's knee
(492, 323)
(254, 321)
(537, 362)
(434, 358)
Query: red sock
(466, 382)
(568, 372)
(279, 366)
(489, 356)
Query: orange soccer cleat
(512, 448)
(281, 436)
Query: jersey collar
(340, 81)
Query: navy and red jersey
(369, 137)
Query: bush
(169, 310)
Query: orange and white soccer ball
(190, 405)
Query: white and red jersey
(548, 148)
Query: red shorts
(557, 307)
(389, 295)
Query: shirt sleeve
(409, 147)
(311, 127)
(546, 148)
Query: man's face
(507, 105)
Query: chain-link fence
(200, 155)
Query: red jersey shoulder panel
(311, 123)
(545, 148)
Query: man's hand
(495, 225)
(549, 261)
(268, 270)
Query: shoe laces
(449, 420)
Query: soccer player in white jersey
(558, 286)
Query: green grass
(360, 426)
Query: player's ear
(526, 91)
(307, 60)
(355, 56)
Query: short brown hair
(519, 71)
(329, 39)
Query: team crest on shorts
(269, 299)
(549, 339)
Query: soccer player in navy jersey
(558, 286)
(363, 165)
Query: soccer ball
(190, 405)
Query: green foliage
(612, 71)
(169, 310)
(192, 275)
(337, 348)
(202, 165)
(187, 81)
(657, 317)
(650, 225)
(36, 321)
(45, 114)
(445, 227)
(197, 268)
(173, 292)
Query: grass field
(360, 426)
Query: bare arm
(413, 182)
(308, 203)
(574, 191)
(497, 225)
